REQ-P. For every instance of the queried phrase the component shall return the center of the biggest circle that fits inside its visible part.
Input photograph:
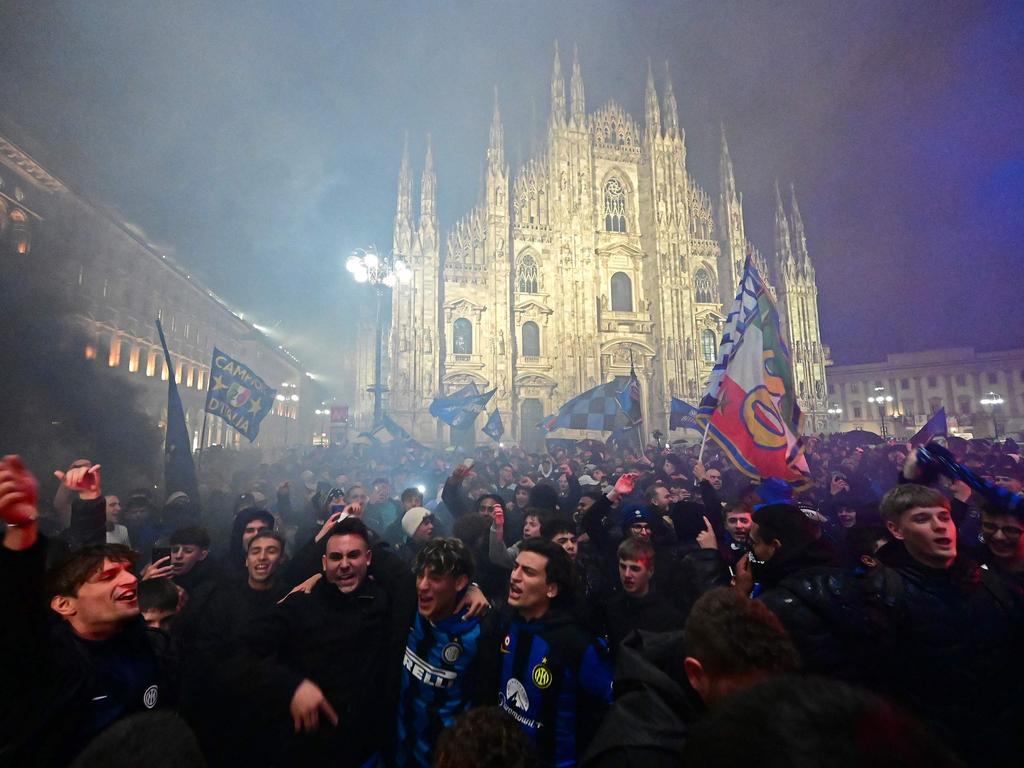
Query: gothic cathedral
(599, 252)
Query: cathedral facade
(601, 252)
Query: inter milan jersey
(438, 681)
(556, 682)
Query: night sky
(260, 142)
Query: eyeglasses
(1009, 531)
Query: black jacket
(947, 640)
(649, 722)
(343, 643)
(623, 614)
(59, 690)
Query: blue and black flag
(461, 408)
(494, 428)
(683, 415)
(238, 395)
(596, 409)
(179, 469)
(629, 398)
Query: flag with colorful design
(750, 408)
(596, 409)
(238, 395)
(629, 398)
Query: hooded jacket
(649, 722)
(236, 553)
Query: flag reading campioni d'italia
(238, 395)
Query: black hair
(444, 556)
(157, 595)
(411, 493)
(485, 737)
(543, 495)
(191, 534)
(350, 526)
(158, 739)
(558, 569)
(67, 577)
(556, 525)
(269, 534)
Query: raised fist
(625, 484)
(19, 492)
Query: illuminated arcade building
(116, 283)
(600, 250)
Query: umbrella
(860, 437)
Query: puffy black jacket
(947, 641)
(649, 722)
(623, 614)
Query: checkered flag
(595, 409)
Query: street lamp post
(368, 266)
(834, 412)
(288, 396)
(992, 401)
(882, 400)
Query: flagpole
(704, 440)
(202, 442)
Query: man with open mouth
(72, 679)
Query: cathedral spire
(799, 236)
(651, 110)
(783, 245)
(671, 109)
(403, 209)
(428, 183)
(496, 147)
(725, 174)
(557, 93)
(579, 106)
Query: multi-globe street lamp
(882, 400)
(991, 401)
(380, 271)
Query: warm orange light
(133, 359)
(90, 352)
(163, 372)
(190, 377)
(114, 358)
(200, 376)
(151, 364)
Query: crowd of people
(594, 606)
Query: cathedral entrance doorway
(530, 435)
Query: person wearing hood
(664, 682)
(795, 572)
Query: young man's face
(346, 561)
(486, 507)
(254, 526)
(529, 591)
(737, 523)
(437, 594)
(159, 618)
(107, 598)
(928, 534)
(661, 498)
(567, 541)
(522, 497)
(262, 559)
(113, 509)
(185, 557)
(531, 527)
(424, 531)
(635, 577)
(412, 501)
(1003, 537)
(507, 476)
(357, 495)
(381, 492)
(763, 550)
(847, 517)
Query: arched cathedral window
(708, 346)
(526, 274)
(622, 293)
(703, 287)
(462, 333)
(614, 206)
(531, 339)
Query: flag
(629, 398)
(393, 427)
(461, 408)
(385, 432)
(595, 409)
(934, 427)
(494, 429)
(623, 437)
(179, 470)
(682, 416)
(238, 395)
(750, 407)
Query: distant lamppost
(834, 412)
(882, 400)
(323, 413)
(368, 266)
(992, 401)
(288, 396)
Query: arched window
(531, 339)
(708, 345)
(614, 206)
(703, 288)
(526, 274)
(463, 337)
(622, 293)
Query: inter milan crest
(542, 675)
(451, 652)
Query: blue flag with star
(494, 429)
(238, 395)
